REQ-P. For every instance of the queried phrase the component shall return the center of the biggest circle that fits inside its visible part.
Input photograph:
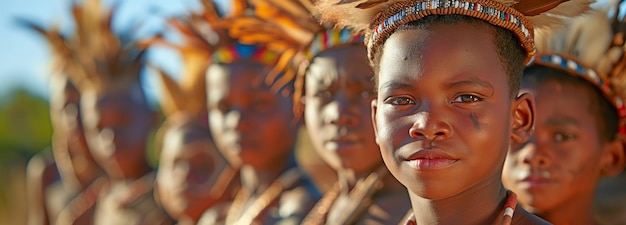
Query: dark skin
(254, 126)
(189, 168)
(444, 128)
(556, 173)
(117, 125)
(339, 89)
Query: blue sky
(24, 56)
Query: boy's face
(117, 125)
(339, 90)
(563, 159)
(188, 168)
(250, 123)
(443, 110)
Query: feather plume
(203, 33)
(597, 41)
(94, 57)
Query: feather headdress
(288, 27)
(202, 35)
(379, 18)
(592, 47)
(94, 57)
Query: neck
(348, 178)
(481, 205)
(577, 210)
(259, 179)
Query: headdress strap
(574, 67)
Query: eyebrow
(473, 81)
(562, 121)
(394, 85)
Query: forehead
(242, 75)
(345, 62)
(460, 48)
(567, 99)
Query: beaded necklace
(507, 211)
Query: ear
(523, 121)
(613, 158)
(374, 105)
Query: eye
(400, 101)
(563, 137)
(466, 99)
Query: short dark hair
(605, 113)
(509, 48)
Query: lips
(431, 159)
(343, 142)
(536, 180)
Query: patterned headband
(332, 38)
(493, 12)
(238, 51)
(574, 67)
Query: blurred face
(250, 123)
(68, 130)
(562, 160)
(339, 92)
(117, 125)
(188, 169)
(442, 114)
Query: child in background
(56, 185)
(252, 123)
(447, 106)
(580, 113)
(115, 113)
(335, 88)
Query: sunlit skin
(255, 127)
(555, 174)
(189, 167)
(444, 118)
(338, 93)
(339, 89)
(117, 125)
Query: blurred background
(24, 64)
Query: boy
(116, 116)
(576, 140)
(335, 89)
(447, 75)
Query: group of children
(428, 111)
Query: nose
(429, 126)
(342, 111)
(236, 118)
(535, 154)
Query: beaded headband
(574, 67)
(493, 12)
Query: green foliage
(24, 125)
